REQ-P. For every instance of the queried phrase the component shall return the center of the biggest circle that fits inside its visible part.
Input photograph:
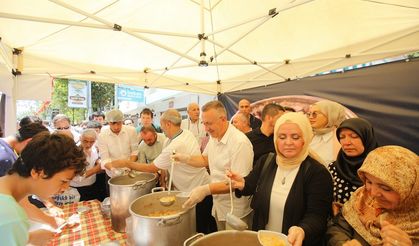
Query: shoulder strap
(265, 165)
(263, 171)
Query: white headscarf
(334, 112)
(307, 134)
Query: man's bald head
(244, 107)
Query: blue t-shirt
(7, 157)
(14, 224)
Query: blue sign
(130, 93)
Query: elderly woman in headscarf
(292, 192)
(384, 211)
(325, 116)
(357, 138)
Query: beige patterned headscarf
(307, 134)
(398, 168)
(334, 112)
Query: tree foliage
(102, 97)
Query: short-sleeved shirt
(185, 177)
(7, 157)
(261, 143)
(14, 223)
(234, 151)
(146, 153)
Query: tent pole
(52, 21)
(173, 64)
(218, 64)
(183, 35)
(199, 4)
(240, 38)
(236, 25)
(112, 25)
(391, 39)
(89, 25)
(257, 18)
(247, 59)
(202, 37)
(249, 81)
(215, 5)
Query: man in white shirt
(185, 177)
(117, 142)
(194, 125)
(227, 149)
(62, 124)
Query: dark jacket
(308, 204)
(339, 231)
(255, 123)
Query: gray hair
(89, 132)
(192, 104)
(173, 116)
(242, 117)
(60, 117)
(217, 105)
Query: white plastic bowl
(272, 238)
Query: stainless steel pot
(170, 230)
(228, 237)
(124, 190)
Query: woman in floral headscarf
(385, 210)
(325, 116)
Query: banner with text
(77, 94)
(130, 93)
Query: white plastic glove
(180, 157)
(197, 195)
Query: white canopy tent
(156, 43)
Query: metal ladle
(232, 220)
(132, 174)
(169, 200)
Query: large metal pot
(124, 190)
(228, 237)
(167, 230)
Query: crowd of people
(319, 178)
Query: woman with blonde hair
(384, 211)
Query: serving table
(94, 228)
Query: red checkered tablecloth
(94, 228)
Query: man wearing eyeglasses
(62, 124)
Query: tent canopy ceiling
(158, 45)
